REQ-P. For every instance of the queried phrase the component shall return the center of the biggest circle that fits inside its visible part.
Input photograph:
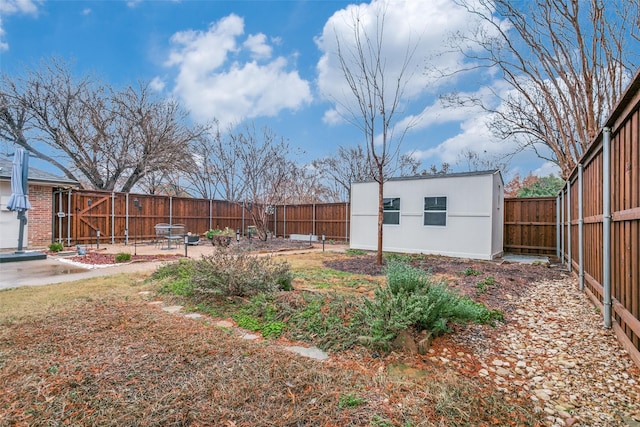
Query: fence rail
(80, 215)
(600, 221)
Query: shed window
(391, 215)
(435, 211)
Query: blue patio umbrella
(19, 202)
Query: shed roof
(445, 175)
(35, 175)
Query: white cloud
(258, 46)
(13, 7)
(213, 80)
(86, 11)
(425, 25)
(157, 84)
(547, 169)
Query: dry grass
(96, 353)
(29, 301)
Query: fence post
(243, 218)
(69, 219)
(170, 210)
(210, 214)
(284, 234)
(113, 218)
(60, 239)
(275, 221)
(580, 231)
(558, 226)
(346, 221)
(569, 254)
(562, 226)
(606, 226)
(126, 219)
(313, 219)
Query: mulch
(511, 279)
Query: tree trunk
(380, 220)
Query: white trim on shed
(473, 219)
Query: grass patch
(169, 370)
(30, 301)
(356, 252)
(483, 285)
(470, 271)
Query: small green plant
(350, 400)
(470, 271)
(247, 322)
(123, 257)
(56, 247)
(481, 287)
(355, 252)
(272, 329)
(378, 421)
(227, 232)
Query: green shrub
(355, 252)
(175, 278)
(56, 247)
(123, 257)
(481, 287)
(414, 299)
(470, 271)
(234, 273)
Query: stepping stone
(224, 324)
(156, 303)
(310, 352)
(250, 337)
(144, 293)
(193, 315)
(173, 309)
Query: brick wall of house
(39, 217)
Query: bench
(304, 237)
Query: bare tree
(103, 138)
(377, 97)
(307, 185)
(566, 63)
(353, 164)
(472, 161)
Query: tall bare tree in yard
(376, 96)
(565, 62)
(104, 138)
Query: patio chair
(162, 231)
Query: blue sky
(271, 62)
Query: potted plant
(220, 237)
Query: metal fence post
(558, 226)
(562, 226)
(580, 231)
(126, 219)
(606, 226)
(569, 254)
(113, 218)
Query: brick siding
(39, 217)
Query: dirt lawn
(106, 357)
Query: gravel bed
(554, 350)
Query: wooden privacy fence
(600, 221)
(530, 225)
(80, 215)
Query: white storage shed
(458, 215)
